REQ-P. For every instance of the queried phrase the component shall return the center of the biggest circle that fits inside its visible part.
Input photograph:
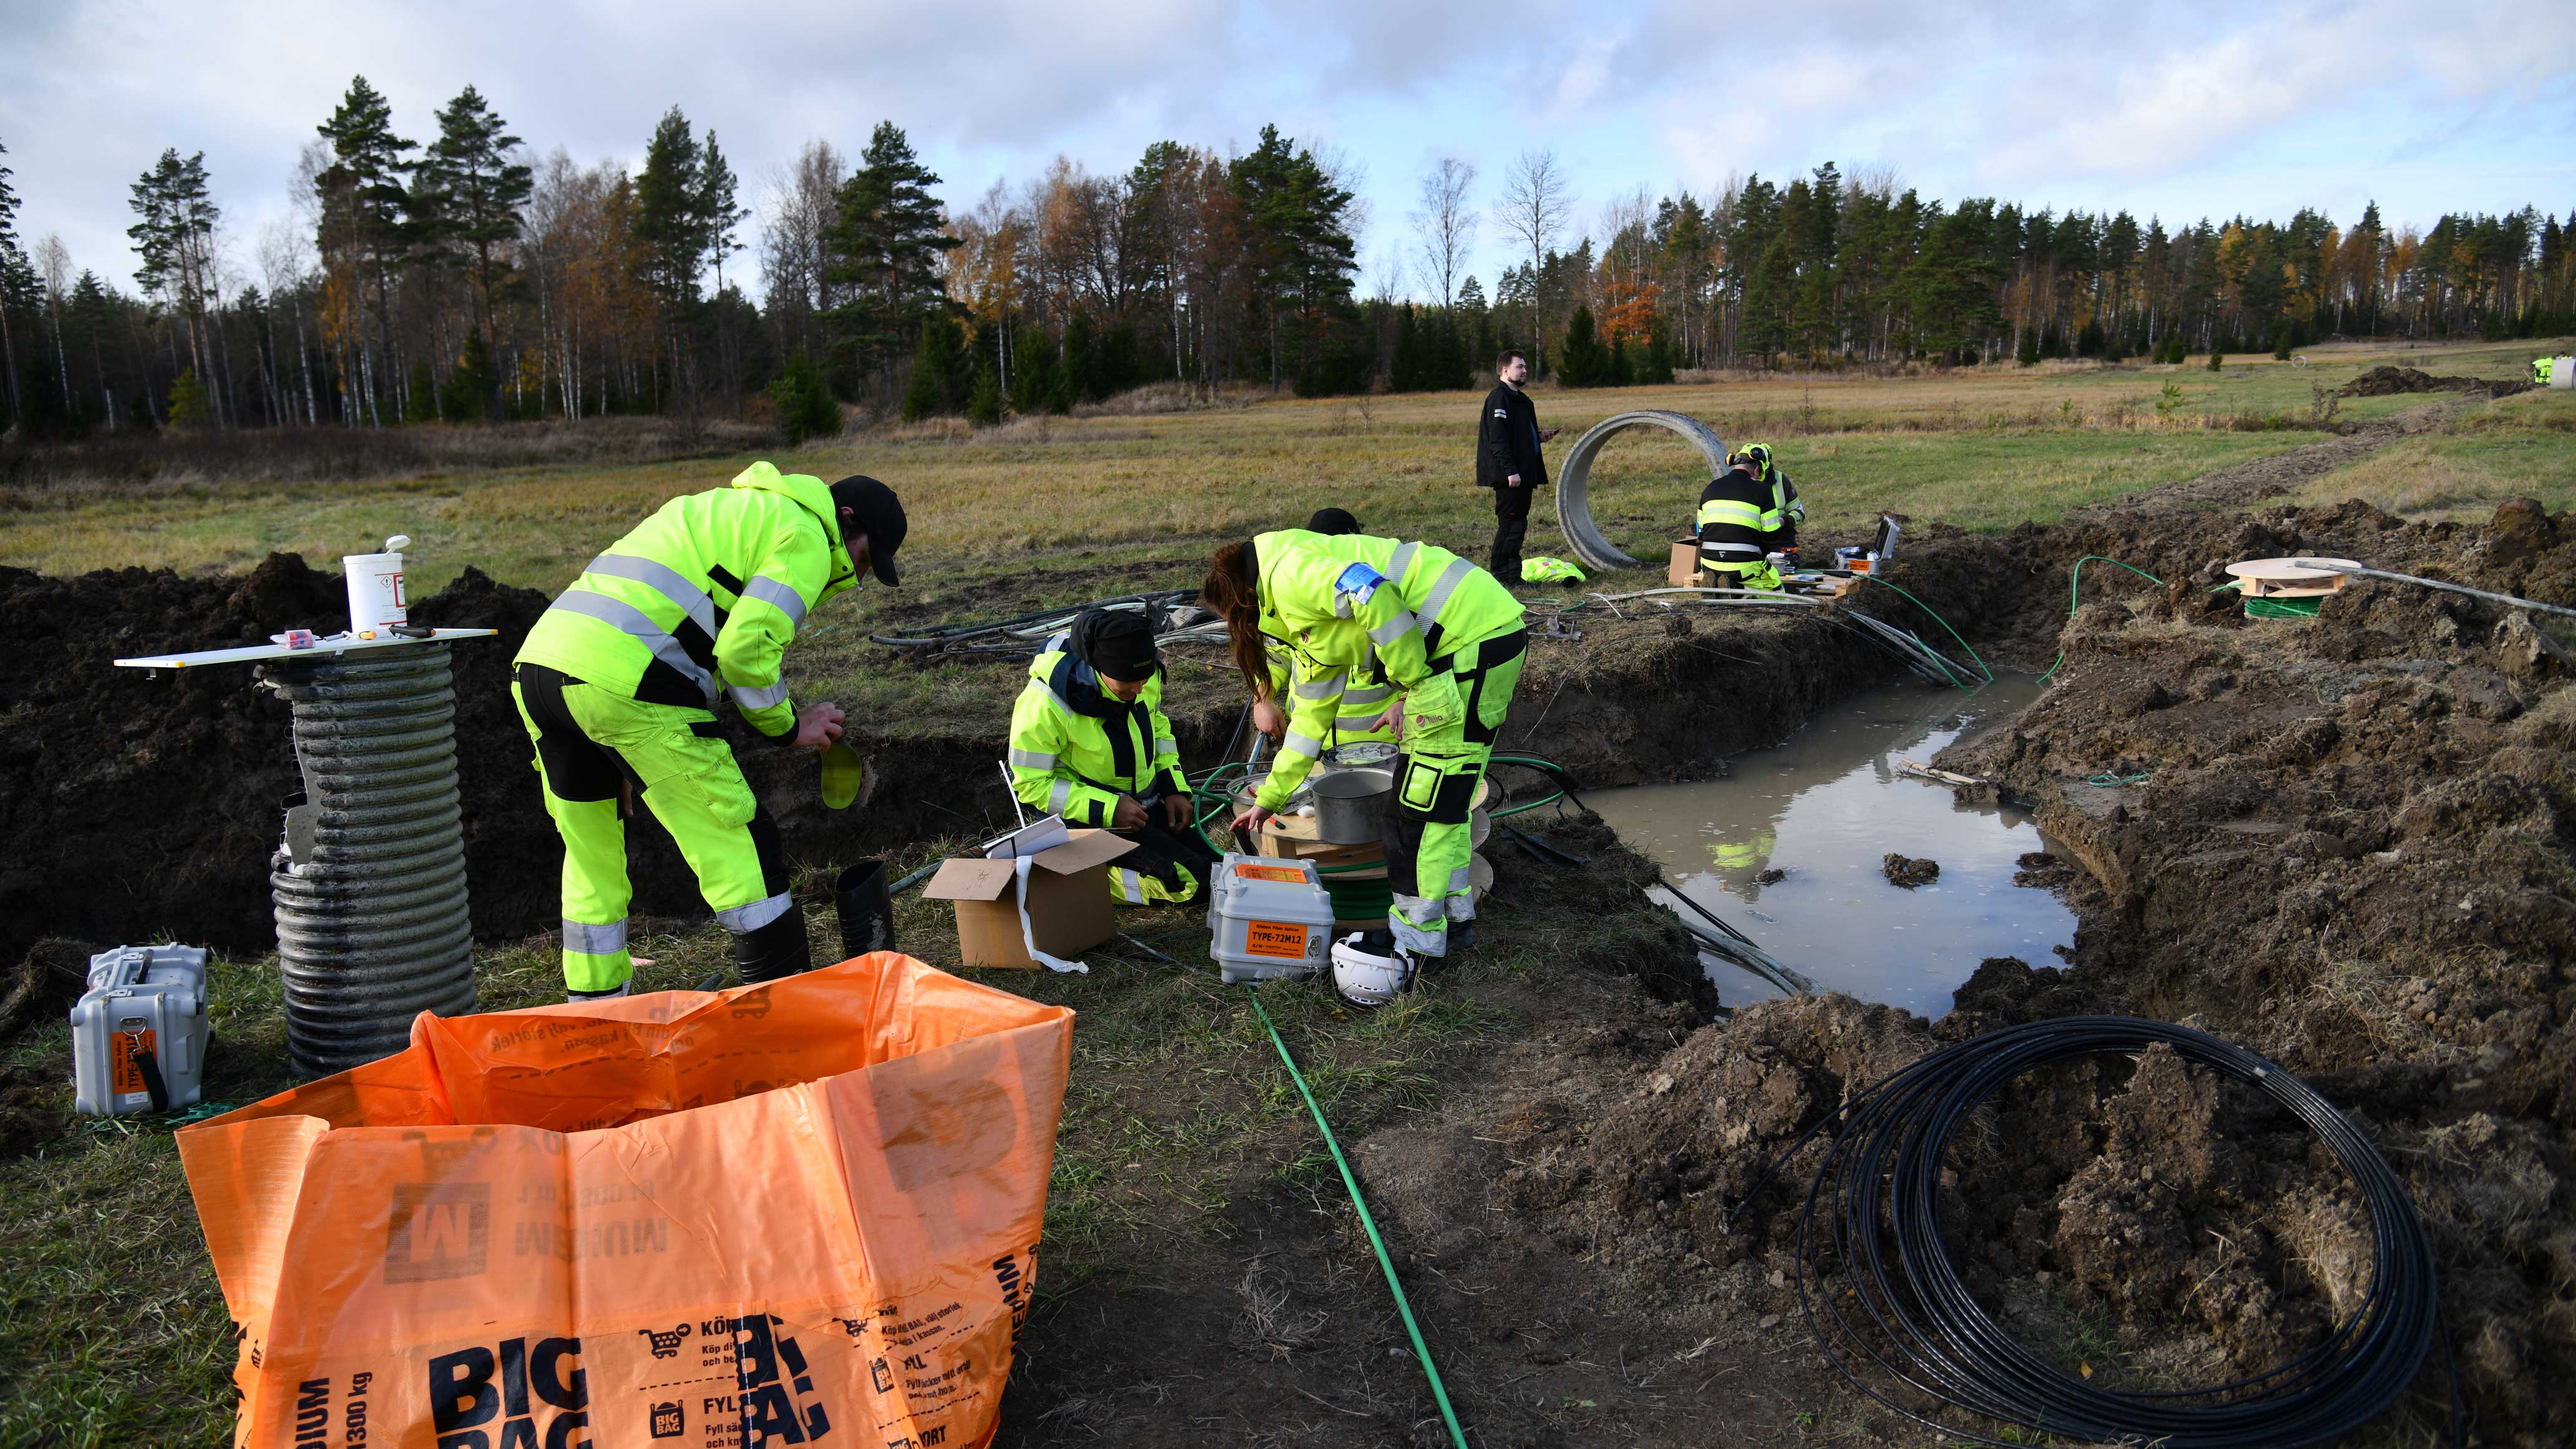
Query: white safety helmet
(1367, 976)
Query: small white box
(143, 1016)
(1270, 917)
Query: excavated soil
(2349, 844)
(2391, 381)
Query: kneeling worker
(617, 685)
(1365, 692)
(1090, 742)
(1732, 538)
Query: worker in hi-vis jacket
(618, 683)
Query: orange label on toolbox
(125, 1061)
(1271, 872)
(1274, 938)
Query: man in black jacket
(1508, 461)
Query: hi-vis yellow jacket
(702, 598)
(1338, 602)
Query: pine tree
(887, 235)
(719, 212)
(669, 219)
(363, 199)
(477, 191)
(174, 234)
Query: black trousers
(1511, 525)
(1166, 854)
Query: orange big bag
(805, 1212)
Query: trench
(1788, 847)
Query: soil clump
(1908, 872)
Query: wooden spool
(2282, 578)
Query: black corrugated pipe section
(369, 887)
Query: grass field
(111, 1331)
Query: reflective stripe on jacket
(1075, 750)
(1339, 602)
(1365, 696)
(700, 600)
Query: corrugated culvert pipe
(369, 886)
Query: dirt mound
(2390, 381)
(2351, 844)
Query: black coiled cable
(1901, 1304)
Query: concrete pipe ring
(1574, 505)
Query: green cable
(1937, 619)
(2073, 600)
(1421, 1350)
(2114, 782)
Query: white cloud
(2197, 105)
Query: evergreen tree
(188, 407)
(939, 380)
(804, 402)
(174, 235)
(475, 192)
(468, 392)
(1302, 258)
(885, 242)
(720, 212)
(669, 217)
(363, 200)
(1581, 361)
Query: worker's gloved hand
(817, 726)
(1268, 718)
(1433, 704)
(1130, 814)
(1176, 811)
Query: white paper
(1028, 936)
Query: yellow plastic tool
(842, 775)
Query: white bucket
(2562, 372)
(376, 597)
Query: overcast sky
(2177, 107)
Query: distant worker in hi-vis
(1445, 635)
(618, 684)
(1783, 512)
(1736, 528)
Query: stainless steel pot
(1350, 805)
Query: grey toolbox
(139, 1033)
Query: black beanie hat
(1332, 522)
(1115, 642)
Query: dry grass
(2520, 447)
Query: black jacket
(1507, 440)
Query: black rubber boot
(775, 951)
(867, 909)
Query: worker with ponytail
(1440, 630)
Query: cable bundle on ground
(1877, 1282)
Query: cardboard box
(1683, 571)
(1069, 908)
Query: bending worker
(1732, 534)
(618, 683)
(1445, 633)
(1365, 692)
(1090, 742)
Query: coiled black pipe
(1876, 1281)
(372, 922)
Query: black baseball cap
(876, 512)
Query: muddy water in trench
(1827, 807)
